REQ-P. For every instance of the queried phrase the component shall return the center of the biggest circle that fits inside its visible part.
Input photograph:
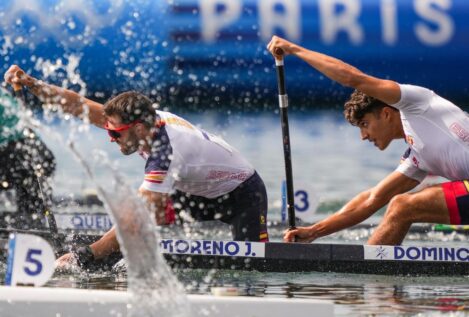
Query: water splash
(154, 289)
(67, 67)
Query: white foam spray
(154, 290)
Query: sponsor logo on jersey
(227, 175)
(460, 132)
(411, 253)
(213, 247)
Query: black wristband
(84, 256)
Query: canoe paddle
(283, 104)
(18, 90)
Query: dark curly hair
(131, 106)
(359, 105)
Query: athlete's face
(377, 128)
(123, 134)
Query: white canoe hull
(44, 302)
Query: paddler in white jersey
(437, 133)
(209, 178)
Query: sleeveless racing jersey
(10, 129)
(189, 159)
(437, 132)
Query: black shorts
(244, 209)
(26, 166)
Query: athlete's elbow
(352, 77)
(347, 80)
(374, 202)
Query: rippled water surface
(329, 158)
(353, 294)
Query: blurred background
(206, 60)
(212, 52)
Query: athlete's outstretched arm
(385, 90)
(68, 100)
(108, 243)
(356, 210)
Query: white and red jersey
(437, 132)
(189, 159)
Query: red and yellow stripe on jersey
(155, 176)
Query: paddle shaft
(283, 104)
(18, 89)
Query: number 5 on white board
(30, 260)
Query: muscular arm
(108, 243)
(156, 202)
(356, 210)
(385, 90)
(68, 100)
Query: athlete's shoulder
(174, 121)
(415, 92)
(414, 99)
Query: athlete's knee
(398, 208)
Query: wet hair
(131, 106)
(359, 105)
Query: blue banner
(207, 49)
